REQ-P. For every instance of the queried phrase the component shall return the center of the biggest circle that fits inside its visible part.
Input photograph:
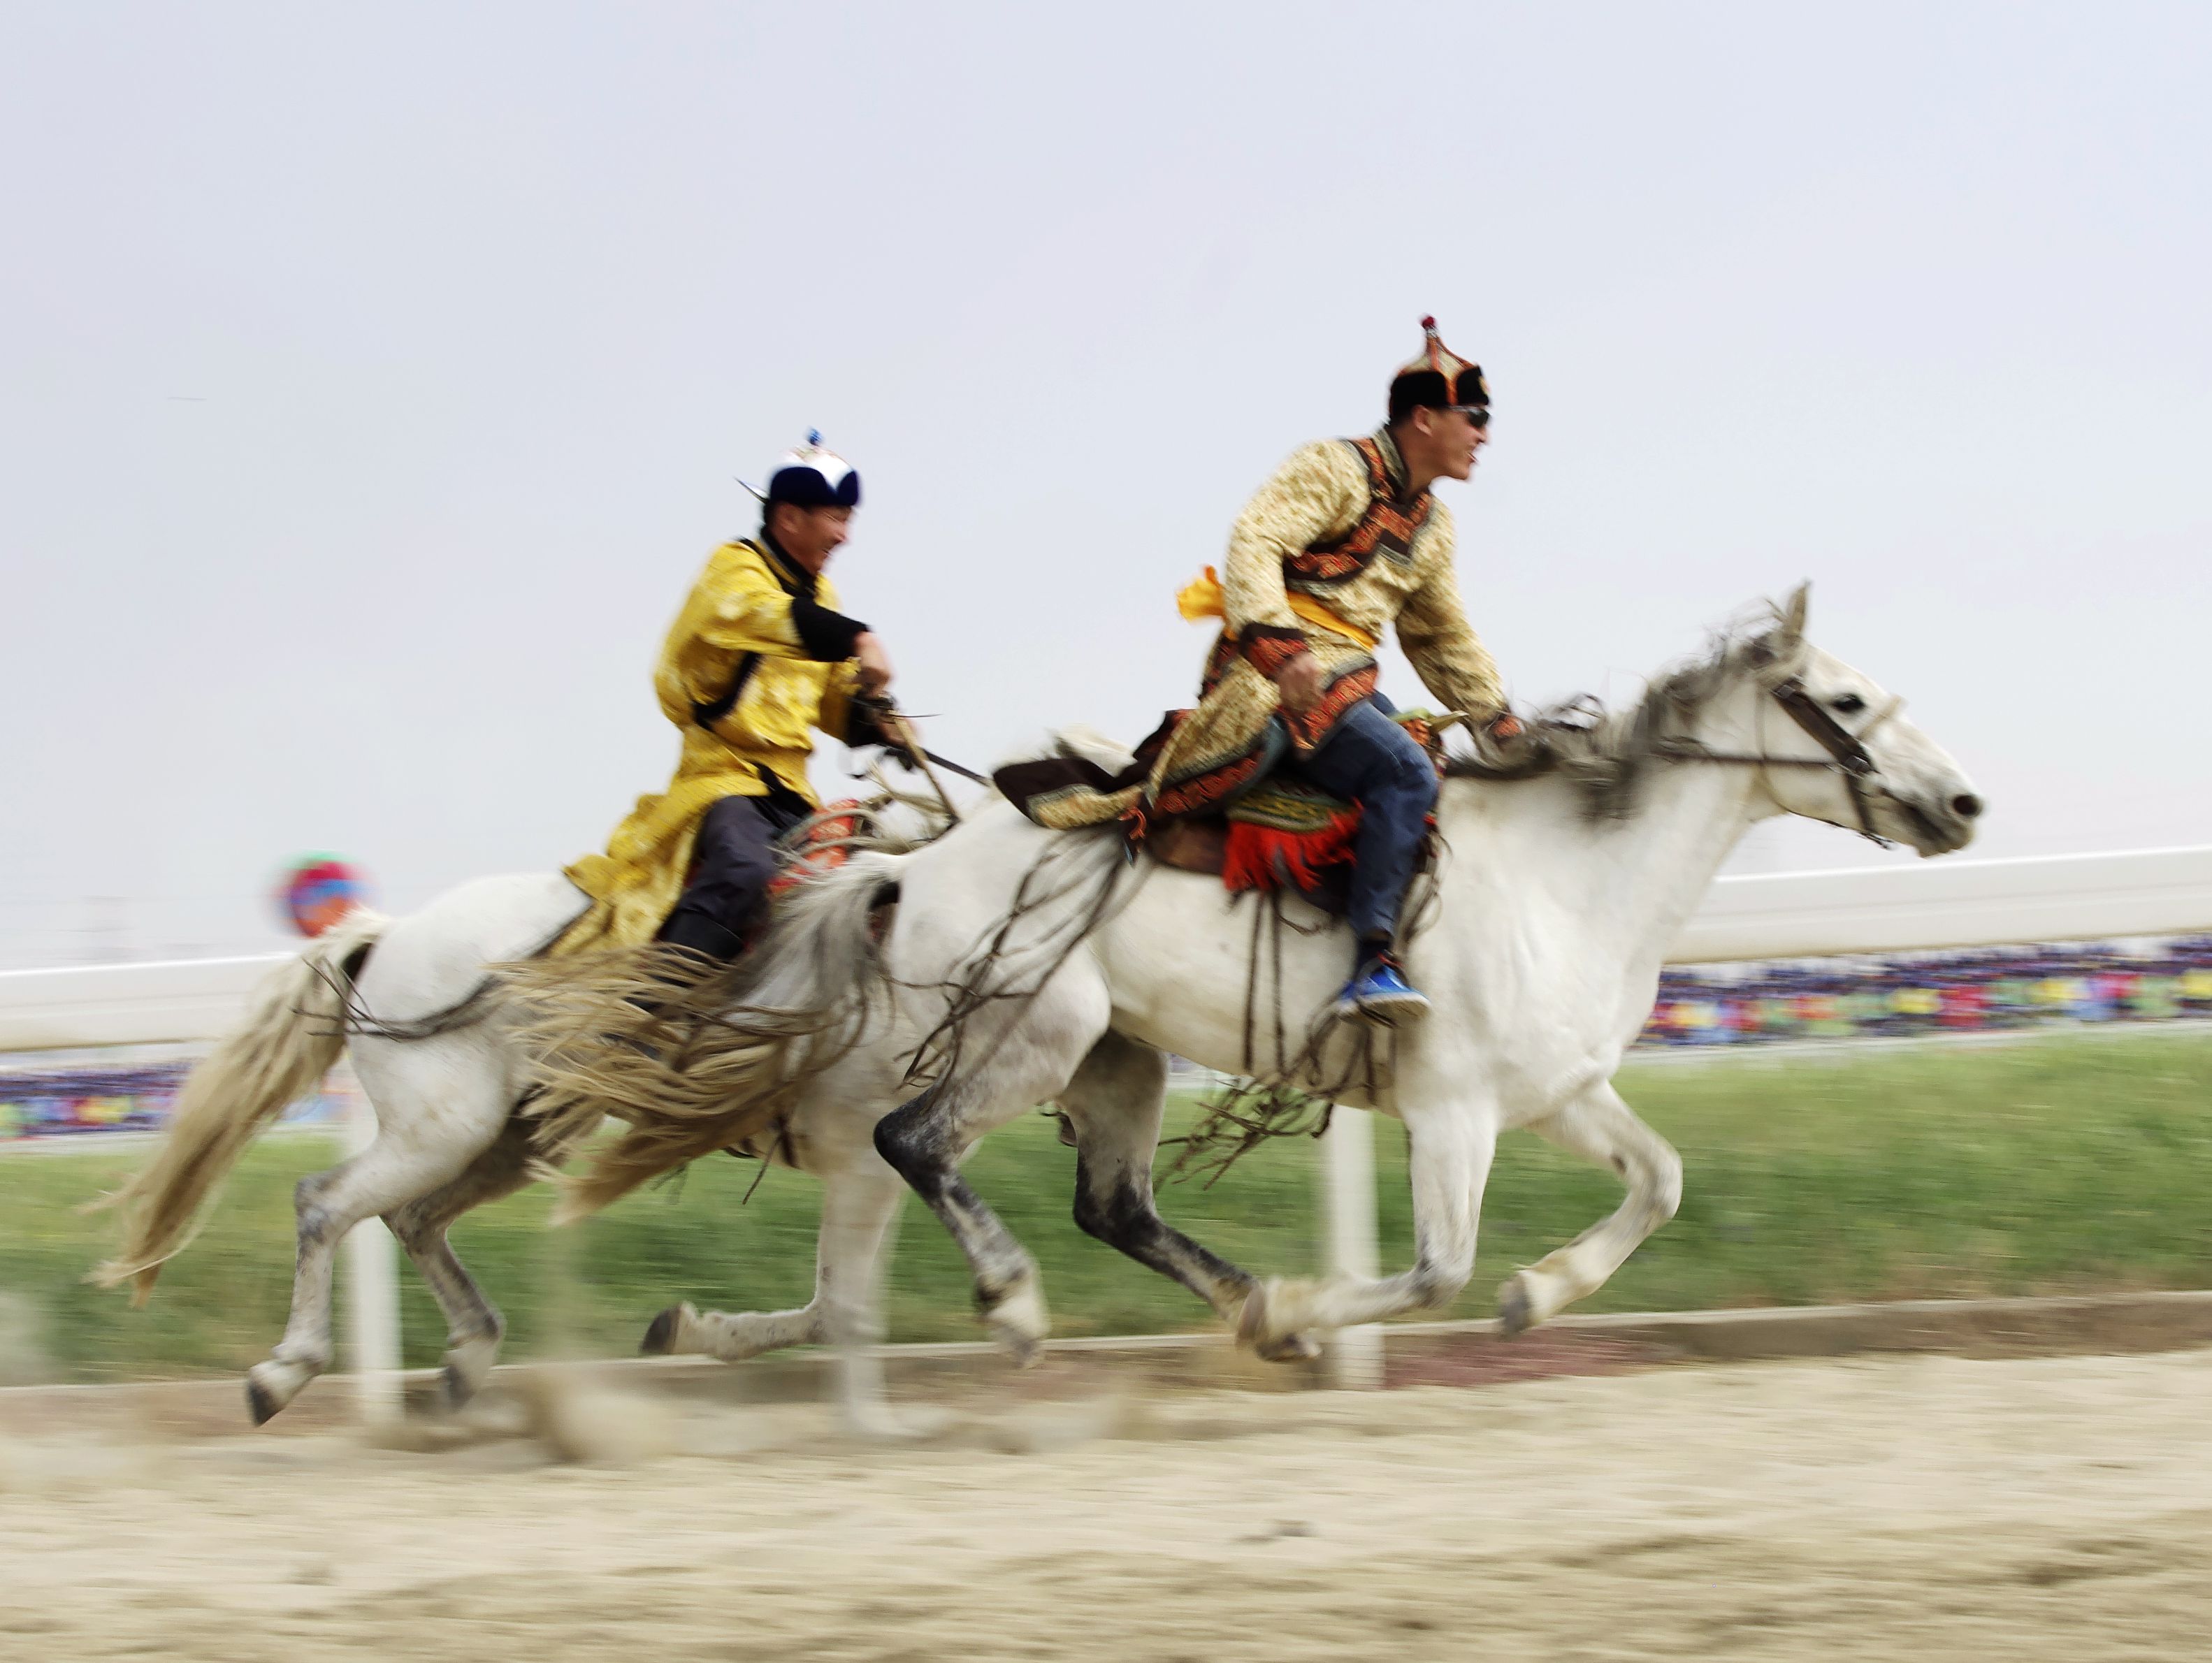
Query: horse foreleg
(474, 1326)
(1449, 1162)
(858, 1202)
(856, 1220)
(1602, 1129)
(1116, 1103)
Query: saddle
(1282, 833)
(819, 843)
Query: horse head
(1834, 745)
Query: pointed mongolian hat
(1439, 378)
(811, 476)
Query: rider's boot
(1378, 990)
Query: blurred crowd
(2006, 987)
(65, 1101)
(2002, 987)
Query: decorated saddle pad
(1290, 806)
(1285, 834)
(1279, 832)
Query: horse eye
(1848, 703)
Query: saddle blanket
(1281, 834)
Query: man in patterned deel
(1345, 540)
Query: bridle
(1847, 756)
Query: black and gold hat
(1439, 380)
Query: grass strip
(2056, 1165)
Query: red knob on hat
(1430, 325)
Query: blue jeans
(1375, 762)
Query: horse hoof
(1252, 1321)
(1279, 1313)
(1022, 1349)
(1291, 1347)
(1517, 1312)
(466, 1365)
(260, 1402)
(1018, 1321)
(660, 1337)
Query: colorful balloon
(317, 891)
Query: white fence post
(1355, 1354)
(372, 1285)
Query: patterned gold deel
(1314, 500)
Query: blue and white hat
(812, 477)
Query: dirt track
(2056, 1508)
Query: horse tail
(293, 1030)
(695, 1056)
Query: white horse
(1559, 899)
(1542, 963)
(442, 1055)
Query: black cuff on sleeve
(825, 634)
(860, 727)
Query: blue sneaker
(1379, 993)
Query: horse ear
(1791, 634)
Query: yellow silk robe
(735, 631)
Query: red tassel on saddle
(1266, 858)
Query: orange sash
(1202, 599)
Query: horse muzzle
(1937, 822)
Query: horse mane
(1607, 753)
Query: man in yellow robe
(759, 658)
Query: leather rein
(1847, 756)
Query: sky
(374, 381)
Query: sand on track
(2052, 1507)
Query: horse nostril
(1967, 805)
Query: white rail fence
(1899, 908)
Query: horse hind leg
(383, 1176)
(683, 1329)
(474, 1326)
(305, 1351)
(1602, 1129)
(1115, 1105)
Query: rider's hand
(1299, 682)
(896, 731)
(875, 663)
(1504, 725)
